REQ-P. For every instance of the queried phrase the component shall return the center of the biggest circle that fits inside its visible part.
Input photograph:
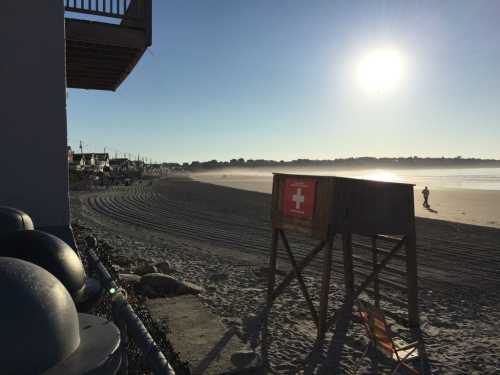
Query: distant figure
(425, 193)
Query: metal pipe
(153, 357)
(123, 341)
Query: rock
(189, 288)
(160, 282)
(167, 285)
(122, 260)
(145, 269)
(164, 267)
(244, 358)
(117, 268)
(129, 278)
(148, 291)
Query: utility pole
(81, 148)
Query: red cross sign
(299, 196)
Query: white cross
(298, 198)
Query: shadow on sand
(428, 208)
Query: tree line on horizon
(352, 162)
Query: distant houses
(120, 165)
(155, 170)
(97, 163)
(90, 162)
(138, 165)
(101, 162)
(77, 162)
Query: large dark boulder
(158, 284)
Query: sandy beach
(206, 230)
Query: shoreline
(464, 206)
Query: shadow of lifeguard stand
(326, 207)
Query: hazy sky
(276, 79)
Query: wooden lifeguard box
(323, 207)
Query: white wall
(33, 155)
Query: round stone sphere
(12, 220)
(48, 252)
(38, 319)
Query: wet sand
(206, 230)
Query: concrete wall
(33, 155)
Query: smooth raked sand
(477, 207)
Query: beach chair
(385, 342)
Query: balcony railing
(106, 8)
(133, 13)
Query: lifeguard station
(376, 222)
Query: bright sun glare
(381, 70)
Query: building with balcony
(104, 41)
(49, 46)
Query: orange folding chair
(384, 341)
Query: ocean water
(439, 179)
(464, 178)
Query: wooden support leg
(370, 278)
(300, 279)
(412, 283)
(411, 271)
(325, 290)
(270, 290)
(334, 355)
(348, 265)
(376, 287)
(272, 267)
(425, 367)
(374, 360)
(291, 275)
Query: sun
(381, 70)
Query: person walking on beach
(425, 193)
